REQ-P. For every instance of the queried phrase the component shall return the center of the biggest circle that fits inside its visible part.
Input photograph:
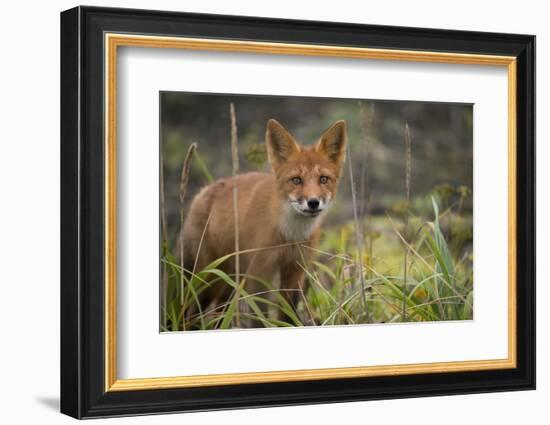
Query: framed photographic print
(261, 212)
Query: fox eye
(296, 180)
(323, 180)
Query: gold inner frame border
(113, 40)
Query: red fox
(282, 210)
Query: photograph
(290, 211)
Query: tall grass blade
(358, 236)
(164, 229)
(408, 167)
(235, 171)
(183, 189)
(203, 167)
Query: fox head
(307, 177)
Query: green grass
(439, 278)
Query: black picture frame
(83, 392)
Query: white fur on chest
(295, 227)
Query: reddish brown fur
(265, 217)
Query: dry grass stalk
(235, 168)
(183, 189)
(408, 162)
(408, 166)
(367, 117)
(358, 236)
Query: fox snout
(310, 207)
(313, 203)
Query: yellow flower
(421, 294)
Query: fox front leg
(292, 289)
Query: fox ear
(280, 143)
(333, 142)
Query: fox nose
(313, 203)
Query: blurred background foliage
(442, 149)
